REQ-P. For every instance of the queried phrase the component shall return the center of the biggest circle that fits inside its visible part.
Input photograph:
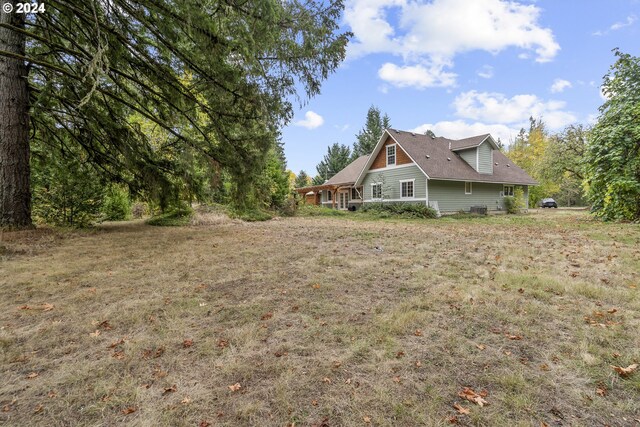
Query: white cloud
(416, 76)
(631, 19)
(459, 129)
(486, 72)
(497, 108)
(559, 85)
(618, 25)
(430, 35)
(311, 120)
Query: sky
(465, 67)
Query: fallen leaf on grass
(116, 343)
(43, 307)
(38, 409)
(204, 424)
(235, 387)
(266, 316)
(461, 409)
(326, 380)
(515, 337)
(52, 394)
(601, 391)
(187, 343)
(396, 379)
(399, 354)
(222, 343)
(623, 372)
(612, 310)
(105, 325)
(171, 389)
(453, 419)
(481, 346)
(95, 334)
(366, 419)
(314, 403)
(129, 410)
(32, 375)
(544, 367)
(418, 333)
(472, 396)
(418, 363)
(118, 355)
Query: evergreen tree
(613, 151)
(337, 158)
(217, 78)
(302, 180)
(369, 136)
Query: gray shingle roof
(443, 163)
(349, 174)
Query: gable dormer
(477, 152)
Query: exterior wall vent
(508, 166)
(427, 156)
(449, 158)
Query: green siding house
(449, 175)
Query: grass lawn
(323, 321)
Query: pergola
(333, 188)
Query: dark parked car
(548, 203)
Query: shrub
(313, 210)
(513, 204)
(116, 205)
(174, 218)
(404, 210)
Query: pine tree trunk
(15, 192)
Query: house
(449, 175)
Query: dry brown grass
(322, 321)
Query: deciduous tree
(613, 152)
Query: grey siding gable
(391, 182)
(469, 156)
(485, 158)
(451, 197)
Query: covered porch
(335, 196)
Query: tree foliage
(302, 180)
(613, 152)
(370, 134)
(527, 151)
(563, 164)
(215, 79)
(337, 158)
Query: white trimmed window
(468, 187)
(508, 190)
(406, 189)
(391, 155)
(329, 194)
(376, 191)
(354, 194)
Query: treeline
(597, 166)
(168, 102)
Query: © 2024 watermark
(24, 8)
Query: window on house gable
(376, 191)
(508, 190)
(406, 189)
(468, 187)
(391, 155)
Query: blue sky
(465, 67)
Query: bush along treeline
(167, 102)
